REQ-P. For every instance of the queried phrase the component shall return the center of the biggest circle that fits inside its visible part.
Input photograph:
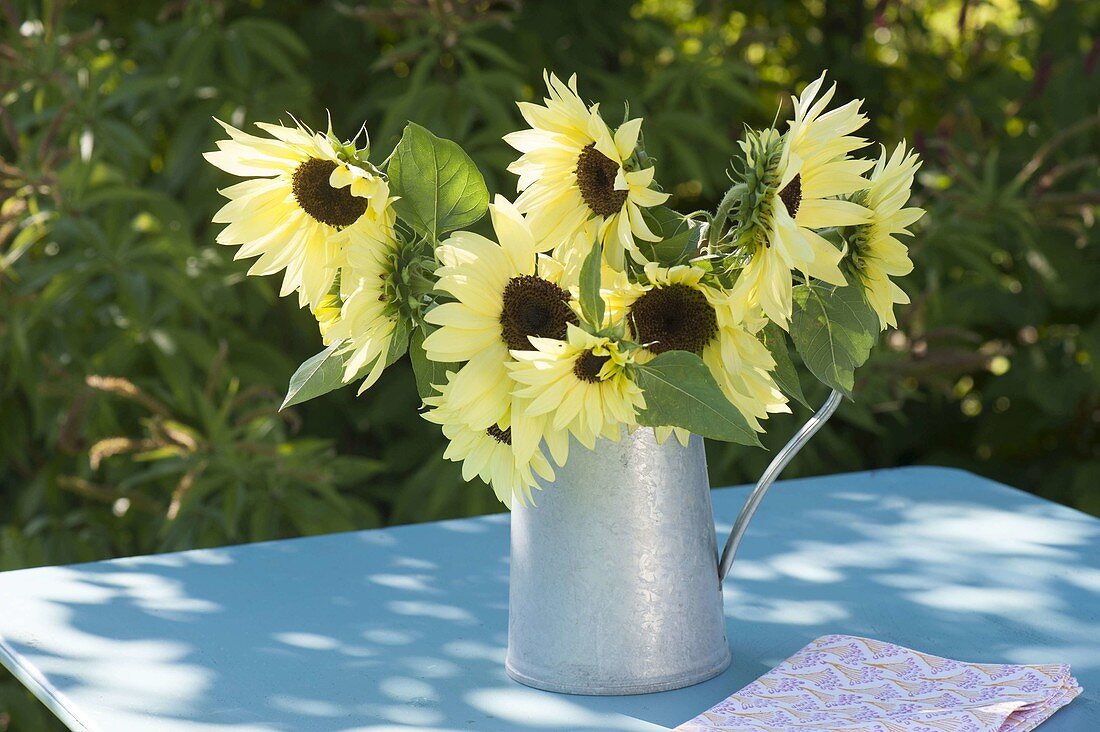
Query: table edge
(25, 673)
(986, 482)
(787, 482)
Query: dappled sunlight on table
(408, 627)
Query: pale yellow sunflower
(487, 452)
(327, 312)
(616, 289)
(663, 433)
(678, 311)
(504, 293)
(795, 186)
(303, 204)
(875, 254)
(368, 315)
(577, 178)
(581, 384)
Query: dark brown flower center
(333, 206)
(533, 307)
(587, 366)
(596, 178)
(791, 195)
(504, 437)
(673, 318)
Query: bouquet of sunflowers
(590, 307)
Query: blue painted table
(405, 628)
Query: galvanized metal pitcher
(616, 582)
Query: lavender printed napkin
(841, 682)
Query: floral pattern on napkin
(841, 682)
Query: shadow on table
(289, 635)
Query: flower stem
(718, 224)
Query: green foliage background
(140, 371)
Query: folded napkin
(841, 682)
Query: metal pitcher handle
(776, 466)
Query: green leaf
(833, 329)
(399, 343)
(592, 305)
(439, 186)
(785, 374)
(427, 372)
(680, 237)
(324, 372)
(317, 375)
(680, 392)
